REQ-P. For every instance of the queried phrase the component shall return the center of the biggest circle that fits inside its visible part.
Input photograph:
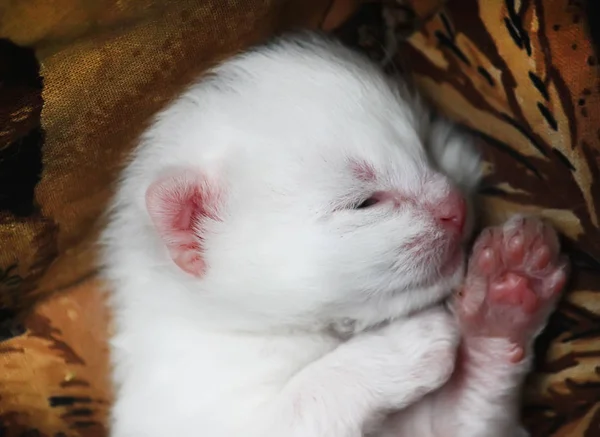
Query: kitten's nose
(451, 212)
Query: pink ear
(178, 205)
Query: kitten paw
(515, 276)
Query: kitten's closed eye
(368, 203)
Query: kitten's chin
(447, 275)
(453, 272)
(438, 287)
(398, 303)
(453, 264)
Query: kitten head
(295, 185)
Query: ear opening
(179, 206)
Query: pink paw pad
(515, 275)
(513, 289)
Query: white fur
(248, 348)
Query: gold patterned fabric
(79, 80)
(523, 76)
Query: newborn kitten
(294, 190)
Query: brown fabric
(524, 80)
(54, 379)
(107, 67)
(530, 86)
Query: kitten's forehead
(383, 151)
(378, 148)
(318, 114)
(321, 95)
(334, 132)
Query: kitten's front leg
(515, 277)
(374, 372)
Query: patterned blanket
(79, 80)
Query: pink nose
(451, 212)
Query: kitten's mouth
(448, 268)
(442, 259)
(453, 262)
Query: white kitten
(293, 190)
